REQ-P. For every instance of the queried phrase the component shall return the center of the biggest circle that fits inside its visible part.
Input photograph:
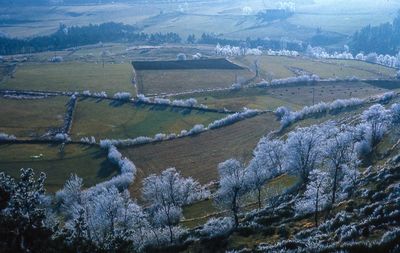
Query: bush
(218, 227)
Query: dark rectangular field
(186, 64)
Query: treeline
(248, 43)
(382, 39)
(66, 37)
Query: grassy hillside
(198, 156)
(31, 118)
(104, 120)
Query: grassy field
(31, 118)
(293, 96)
(198, 156)
(276, 67)
(5, 71)
(172, 81)
(89, 163)
(104, 120)
(72, 76)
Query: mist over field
(200, 126)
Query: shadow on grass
(117, 103)
(106, 167)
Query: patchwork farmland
(198, 156)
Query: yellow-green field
(198, 156)
(104, 120)
(277, 67)
(72, 76)
(31, 118)
(89, 163)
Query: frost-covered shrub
(216, 227)
(372, 57)
(191, 102)
(171, 136)
(62, 137)
(124, 96)
(288, 117)
(196, 129)
(197, 56)
(386, 97)
(101, 94)
(377, 120)
(348, 233)
(236, 86)
(236, 51)
(91, 140)
(7, 137)
(333, 224)
(162, 101)
(281, 111)
(181, 57)
(282, 53)
(126, 142)
(247, 113)
(114, 155)
(143, 98)
(56, 58)
(297, 79)
(395, 111)
(86, 93)
(127, 170)
(159, 137)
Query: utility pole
(313, 96)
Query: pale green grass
(31, 118)
(89, 163)
(104, 120)
(277, 67)
(72, 76)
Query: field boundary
(214, 64)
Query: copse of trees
(74, 36)
(383, 39)
(324, 157)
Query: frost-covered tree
(377, 118)
(266, 164)
(166, 194)
(303, 150)
(395, 111)
(316, 196)
(7, 137)
(232, 186)
(123, 96)
(23, 212)
(181, 57)
(340, 160)
(104, 217)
